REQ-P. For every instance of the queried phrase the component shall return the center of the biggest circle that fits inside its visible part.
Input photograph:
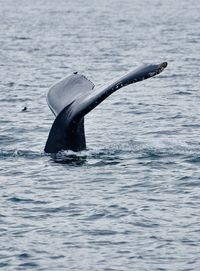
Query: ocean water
(131, 200)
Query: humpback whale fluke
(73, 97)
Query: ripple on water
(28, 154)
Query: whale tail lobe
(73, 97)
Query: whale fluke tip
(164, 65)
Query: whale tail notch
(74, 97)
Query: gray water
(131, 200)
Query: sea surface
(131, 201)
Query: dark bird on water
(24, 109)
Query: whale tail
(73, 97)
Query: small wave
(188, 181)
(13, 100)
(103, 232)
(183, 93)
(20, 153)
(21, 38)
(28, 265)
(25, 200)
(193, 160)
(24, 255)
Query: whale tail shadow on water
(74, 96)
